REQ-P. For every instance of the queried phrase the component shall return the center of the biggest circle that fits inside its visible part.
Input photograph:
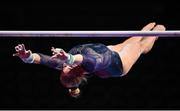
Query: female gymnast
(99, 59)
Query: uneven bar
(172, 33)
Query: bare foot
(159, 28)
(149, 26)
(148, 41)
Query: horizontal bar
(175, 33)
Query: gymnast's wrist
(29, 60)
(70, 59)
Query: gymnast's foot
(159, 28)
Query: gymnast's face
(68, 68)
(67, 72)
(72, 75)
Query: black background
(153, 82)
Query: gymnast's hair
(73, 80)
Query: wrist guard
(70, 59)
(29, 60)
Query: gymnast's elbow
(37, 58)
(78, 59)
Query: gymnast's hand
(22, 52)
(59, 53)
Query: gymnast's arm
(37, 58)
(66, 57)
(91, 61)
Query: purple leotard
(98, 59)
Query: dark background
(153, 82)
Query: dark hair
(74, 78)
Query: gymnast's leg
(118, 47)
(148, 42)
(132, 51)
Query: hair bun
(74, 92)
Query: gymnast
(93, 58)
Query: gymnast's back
(99, 59)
